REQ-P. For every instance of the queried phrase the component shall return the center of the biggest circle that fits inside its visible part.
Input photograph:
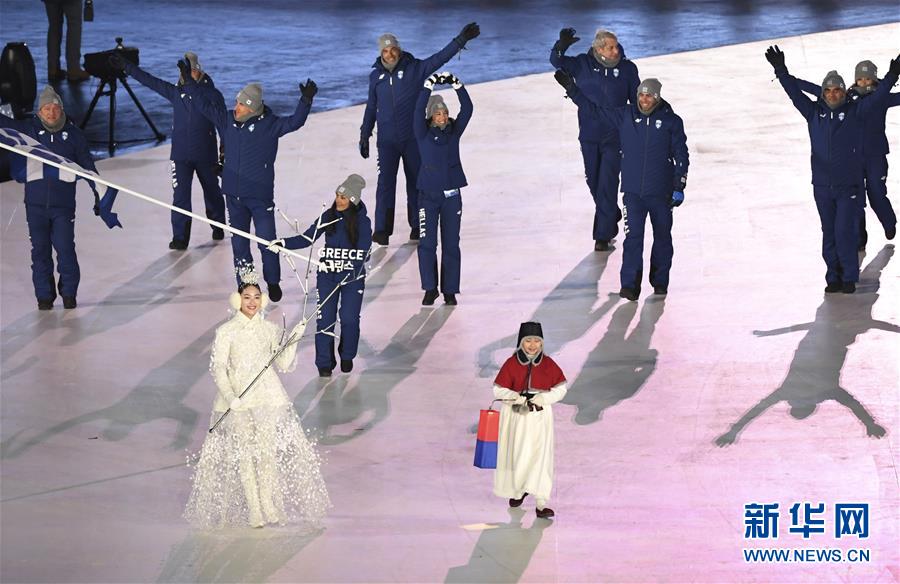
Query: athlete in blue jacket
(193, 146)
(835, 127)
(250, 135)
(654, 175)
(342, 263)
(874, 148)
(607, 78)
(50, 201)
(440, 179)
(394, 84)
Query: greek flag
(25, 170)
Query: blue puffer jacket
(251, 146)
(605, 86)
(193, 135)
(654, 147)
(339, 256)
(392, 94)
(441, 168)
(69, 142)
(874, 137)
(835, 135)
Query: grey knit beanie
(352, 188)
(435, 103)
(387, 40)
(194, 60)
(252, 97)
(866, 70)
(48, 95)
(651, 86)
(833, 80)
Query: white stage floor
(100, 405)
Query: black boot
(218, 234)
(324, 372)
(450, 299)
(517, 502)
(545, 513)
(346, 365)
(177, 244)
(46, 304)
(380, 237)
(430, 297)
(848, 287)
(274, 292)
(833, 288)
(601, 245)
(890, 232)
(660, 290)
(414, 234)
(630, 293)
(69, 302)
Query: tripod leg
(159, 136)
(91, 107)
(112, 116)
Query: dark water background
(281, 42)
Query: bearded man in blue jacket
(394, 84)
(835, 125)
(654, 174)
(250, 135)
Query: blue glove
(677, 199)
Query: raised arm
(804, 105)
(558, 57)
(428, 66)
(465, 106)
(164, 88)
(607, 114)
(293, 123)
(880, 99)
(809, 87)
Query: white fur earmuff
(235, 300)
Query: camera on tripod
(97, 64)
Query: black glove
(309, 90)
(469, 32)
(567, 38)
(895, 67)
(775, 57)
(564, 79)
(185, 68)
(116, 62)
(364, 147)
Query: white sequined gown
(258, 466)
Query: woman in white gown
(257, 466)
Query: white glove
(297, 331)
(235, 403)
(538, 400)
(454, 81)
(520, 399)
(433, 80)
(276, 246)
